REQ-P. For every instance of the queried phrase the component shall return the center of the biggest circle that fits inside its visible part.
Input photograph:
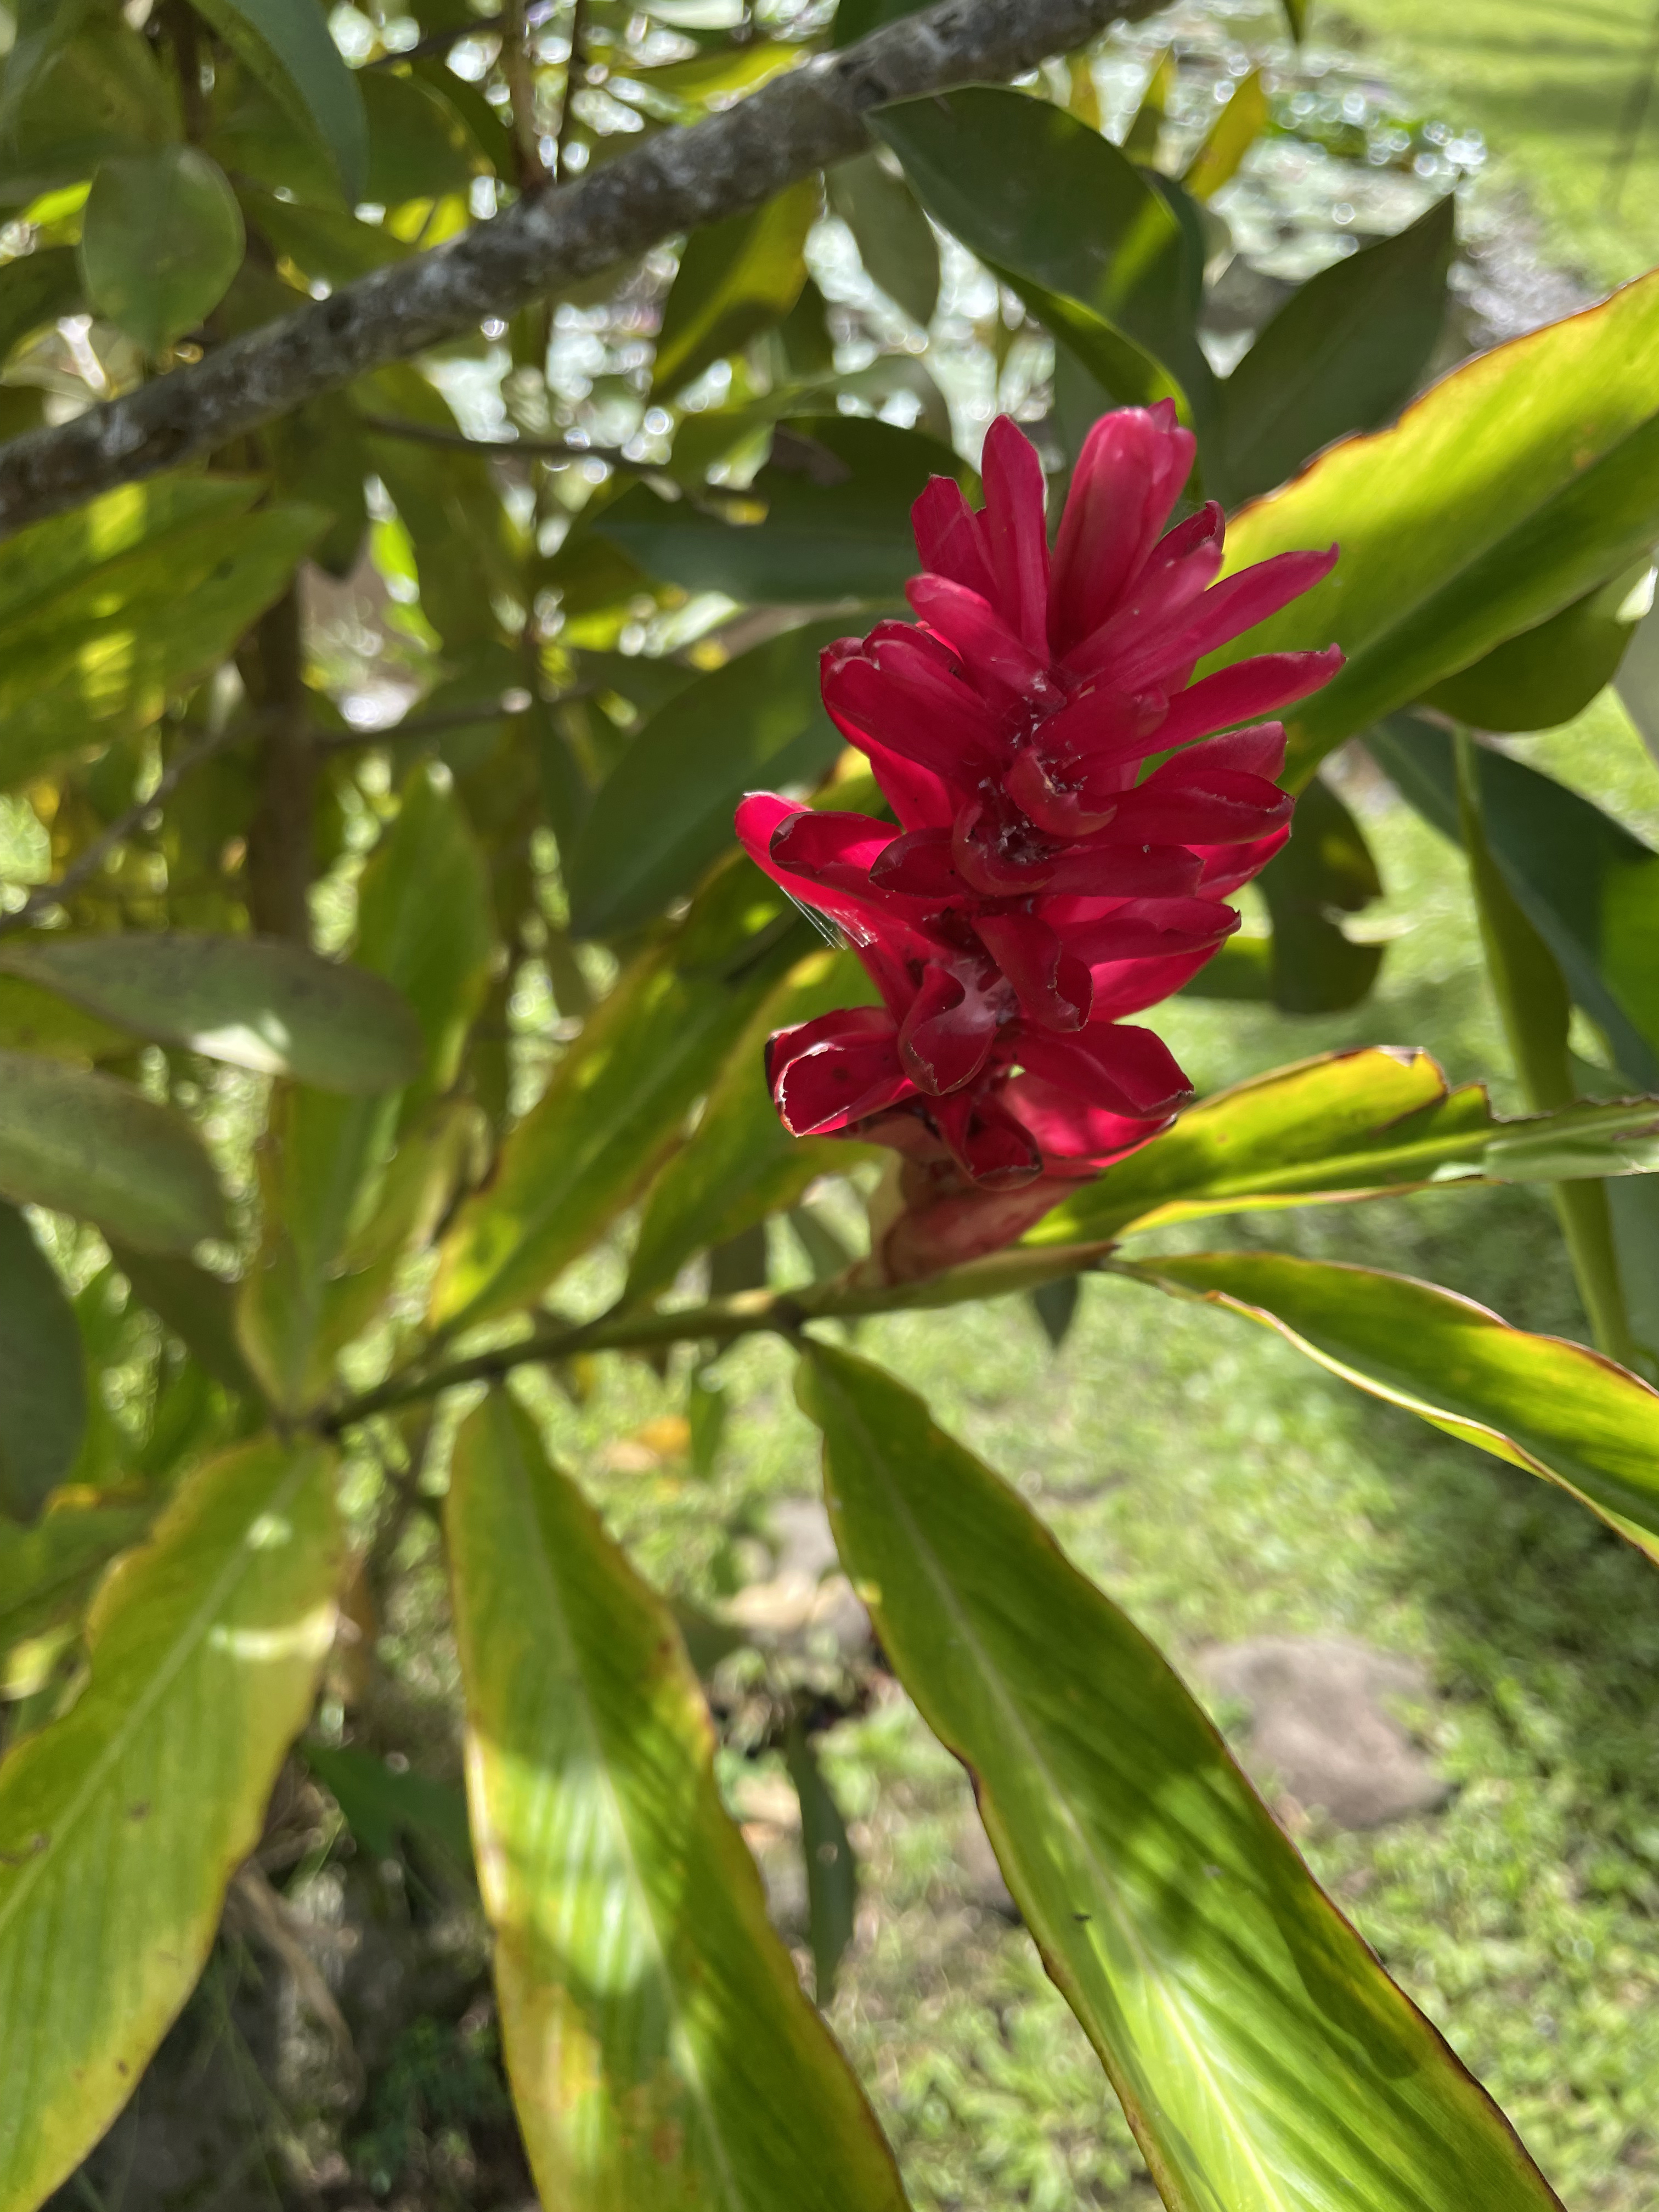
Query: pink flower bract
(1040, 883)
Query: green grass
(1219, 1486)
(1549, 85)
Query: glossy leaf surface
(1548, 675)
(256, 1002)
(661, 2050)
(838, 492)
(121, 1824)
(617, 1102)
(1042, 199)
(1587, 886)
(1538, 1401)
(666, 811)
(1342, 354)
(1262, 2056)
(43, 1392)
(88, 1146)
(1521, 482)
(286, 45)
(736, 279)
(161, 240)
(1349, 1125)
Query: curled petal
(949, 539)
(1128, 476)
(1125, 1070)
(836, 1070)
(1129, 986)
(1226, 808)
(996, 853)
(1014, 534)
(919, 866)
(1057, 806)
(985, 1139)
(1259, 750)
(907, 703)
(1149, 929)
(1226, 868)
(1050, 981)
(1244, 691)
(946, 1036)
(830, 847)
(1108, 867)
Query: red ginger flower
(1039, 886)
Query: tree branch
(808, 118)
(1021, 1267)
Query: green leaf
(741, 1163)
(737, 278)
(1539, 1402)
(1296, 14)
(425, 925)
(1263, 2058)
(121, 1824)
(85, 1145)
(1347, 1125)
(418, 146)
(838, 492)
(1326, 869)
(43, 1392)
(1342, 354)
(666, 812)
(161, 240)
(326, 242)
(618, 1101)
(1229, 138)
(856, 19)
(286, 45)
(108, 612)
(832, 1873)
(894, 238)
(196, 1306)
(74, 94)
(1585, 883)
(1525, 479)
(1548, 675)
(383, 1808)
(1055, 1306)
(35, 289)
(1059, 213)
(253, 1002)
(660, 2050)
(47, 1572)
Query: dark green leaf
(1537, 1401)
(1550, 674)
(418, 146)
(1261, 2055)
(161, 240)
(43, 1394)
(74, 95)
(736, 279)
(667, 812)
(856, 19)
(196, 1306)
(383, 1808)
(1326, 869)
(894, 238)
(659, 2048)
(832, 1873)
(47, 1572)
(84, 1145)
(254, 1002)
(1344, 353)
(838, 492)
(326, 242)
(1588, 886)
(1055, 1307)
(286, 45)
(1053, 207)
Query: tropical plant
(435, 483)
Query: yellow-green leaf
(1265, 2061)
(661, 2052)
(1538, 1401)
(121, 1823)
(736, 279)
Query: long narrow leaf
(661, 2052)
(1265, 2061)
